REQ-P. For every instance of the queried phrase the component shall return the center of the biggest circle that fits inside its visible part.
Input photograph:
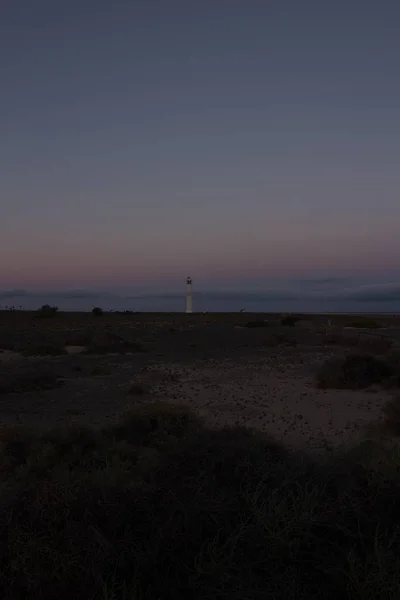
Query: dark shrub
(97, 311)
(375, 345)
(137, 389)
(78, 339)
(283, 340)
(110, 343)
(34, 383)
(257, 323)
(96, 513)
(355, 371)
(100, 371)
(44, 351)
(289, 321)
(336, 339)
(364, 323)
(391, 413)
(6, 344)
(47, 311)
(393, 360)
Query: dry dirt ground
(81, 368)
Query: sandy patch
(279, 399)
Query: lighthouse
(189, 305)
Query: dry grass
(158, 506)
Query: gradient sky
(236, 141)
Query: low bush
(31, 383)
(44, 350)
(364, 323)
(257, 323)
(375, 345)
(109, 343)
(283, 340)
(97, 311)
(337, 339)
(100, 371)
(290, 321)
(47, 311)
(355, 371)
(391, 413)
(78, 339)
(158, 506)
(137, 389)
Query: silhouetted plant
(356, 371)
(364, 323)
(216, 513)
(47, 311)
(44, 350)
(391, 412)
(97, 311)
(253, 324)
(289, 321)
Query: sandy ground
(263, 379)
(280, 399)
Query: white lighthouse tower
(189, 305)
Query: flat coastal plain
(234, 369)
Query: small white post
(189, 305)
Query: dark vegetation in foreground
(158, 506)
(359, 371)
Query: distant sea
(201, 303)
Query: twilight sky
(237, 141)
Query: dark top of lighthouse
(189, 280)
